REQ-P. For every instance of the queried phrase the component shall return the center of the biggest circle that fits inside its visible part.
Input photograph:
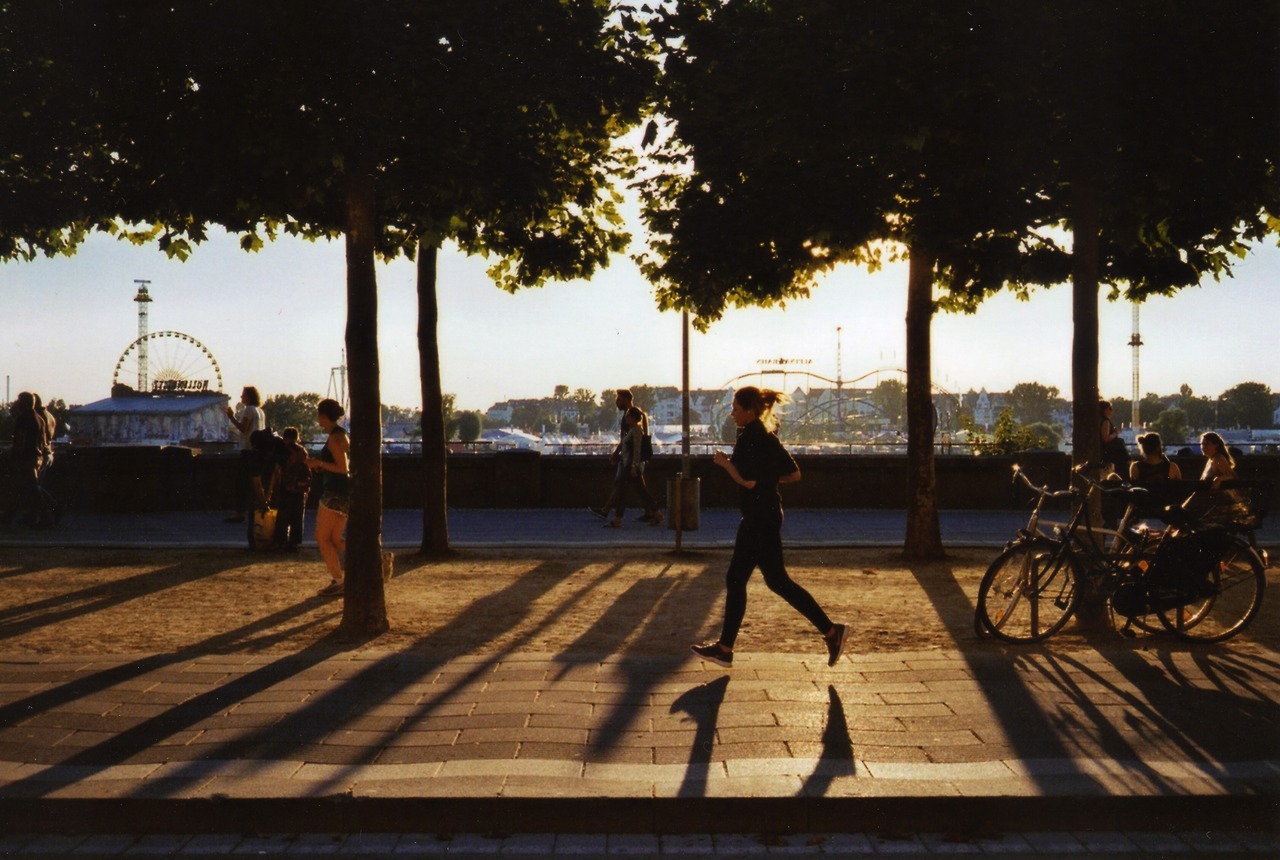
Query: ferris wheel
(168, 361)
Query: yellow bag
(264, 527)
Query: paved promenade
(1118, 749)
(554, 527)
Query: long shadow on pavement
(702, 704)
(1051, 704)
(380, 679)
(139, 739)
(1030, 732)
(1231, 720)
(299, 729)
(643, 675)
(23, 618)
(837, 758)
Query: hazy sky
(276, 318)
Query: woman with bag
(758, 465)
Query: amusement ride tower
(143, 298)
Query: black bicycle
(1201, 578)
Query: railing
(700, 448)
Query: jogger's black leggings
(759, 544)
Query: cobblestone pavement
(1115, 750)
(523, 742)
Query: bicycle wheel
(1028, 592)
(1126, 561)
(1220, 604)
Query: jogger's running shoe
(835, 644)
(715, 652)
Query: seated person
(1154, 464)
(1219, 465)
(1223, 506)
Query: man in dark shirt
(29, 437)
(652, 514)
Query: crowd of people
(277, 474)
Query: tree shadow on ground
(122, 747)
(1021, 719)
(373, 681)
(22, 618)
(1094, 694)
(656, 601)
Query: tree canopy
(809, 134)
(1249, 404)
(815, 133)
(396, 125)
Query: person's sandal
(333, 589)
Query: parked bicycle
(1200, 578)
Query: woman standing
(1113, 449)
(248, 418)
(1218, 466)
(335, 493)
(758, 465)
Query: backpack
(296, 477)
(646, 448)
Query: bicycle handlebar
(1079, 472)
(1123, 488)
(1039, 490)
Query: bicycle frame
(1084, 534)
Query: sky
(276, 318)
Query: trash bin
(683, 502)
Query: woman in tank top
(335, 493)
(1153, 465)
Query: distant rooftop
(152, 404)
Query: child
(292, 482)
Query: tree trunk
(924, 535)
(1086, 442)
(435, 453)
(364, 610)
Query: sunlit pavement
(544, 527)
(965, 745)
(1117, 750)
